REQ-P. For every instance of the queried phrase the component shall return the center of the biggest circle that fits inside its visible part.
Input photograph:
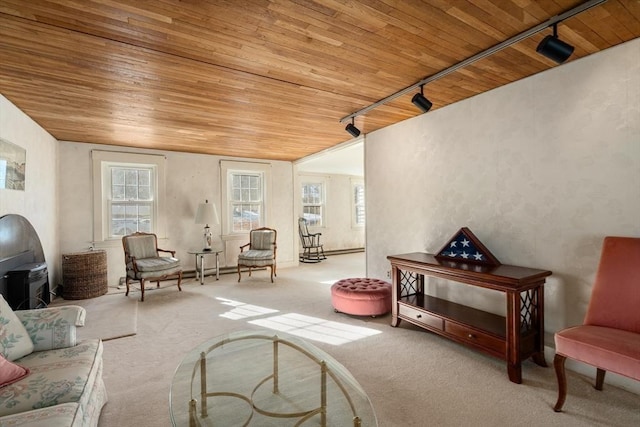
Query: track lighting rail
(488, 52)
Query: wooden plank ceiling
(266, 78)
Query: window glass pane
(117, 176)
(131, 177)
(313, 203)
(131, 192)
(358, 199)
(144, 177)
(144, 193)
(117, 192)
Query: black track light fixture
(554, 48)
(420, 101)
(352, 129)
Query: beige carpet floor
(412, 377)
(108, 316)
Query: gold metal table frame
(329, 378)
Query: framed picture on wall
(13, 163)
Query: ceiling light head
(421, 102)
(352, 129)
(554, 48)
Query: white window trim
(101, 161)
(354, 183)
(226, 168)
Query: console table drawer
(474, 337)
(421, 317)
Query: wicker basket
(84, 275)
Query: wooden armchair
(143, 261)
(312, 250)
(262, 251)
(609, 338)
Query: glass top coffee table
(264, 378)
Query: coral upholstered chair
(609, 339)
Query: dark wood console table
(513, 338)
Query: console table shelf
(513, 338)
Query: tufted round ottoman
(361, 296)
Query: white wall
(39, 202)
(541, 170)
(190, 178)
(337, 231)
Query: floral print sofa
(46, 377)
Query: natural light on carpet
(243, 310)
(314, 328)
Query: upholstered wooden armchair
(261, 251)
(609, 338)
(143, 261)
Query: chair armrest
(54, 327)
(244, 246)
(173, 253)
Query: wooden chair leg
(126, 281)
(271, 273)
(239, 275)
(558, 364)
(179, 281)
(600, 378)
(141, 290)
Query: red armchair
(609, 339)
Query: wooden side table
(513, 338)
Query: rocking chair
(312, 250)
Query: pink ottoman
(361, 296)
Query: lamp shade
(207, 214)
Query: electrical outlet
(388, 274)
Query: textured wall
(338, 231)
(191, 178)
(540, 170)
(39, 202)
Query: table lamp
(207, 214)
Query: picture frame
(13, 165)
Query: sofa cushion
(57, 376)
(54, 327)
(157, 264)
(14, 339)
(10, 372)
(256, 258)
(66, 414)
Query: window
(245, 190)
(357, 188)
(128, 194)
(313, 203)
(130, 200)
(246, 201)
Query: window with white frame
(313, 203)
(357, 188)
(245, 191)
(128, 194)
(246, 201)
(131, 199)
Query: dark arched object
(19, 245)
